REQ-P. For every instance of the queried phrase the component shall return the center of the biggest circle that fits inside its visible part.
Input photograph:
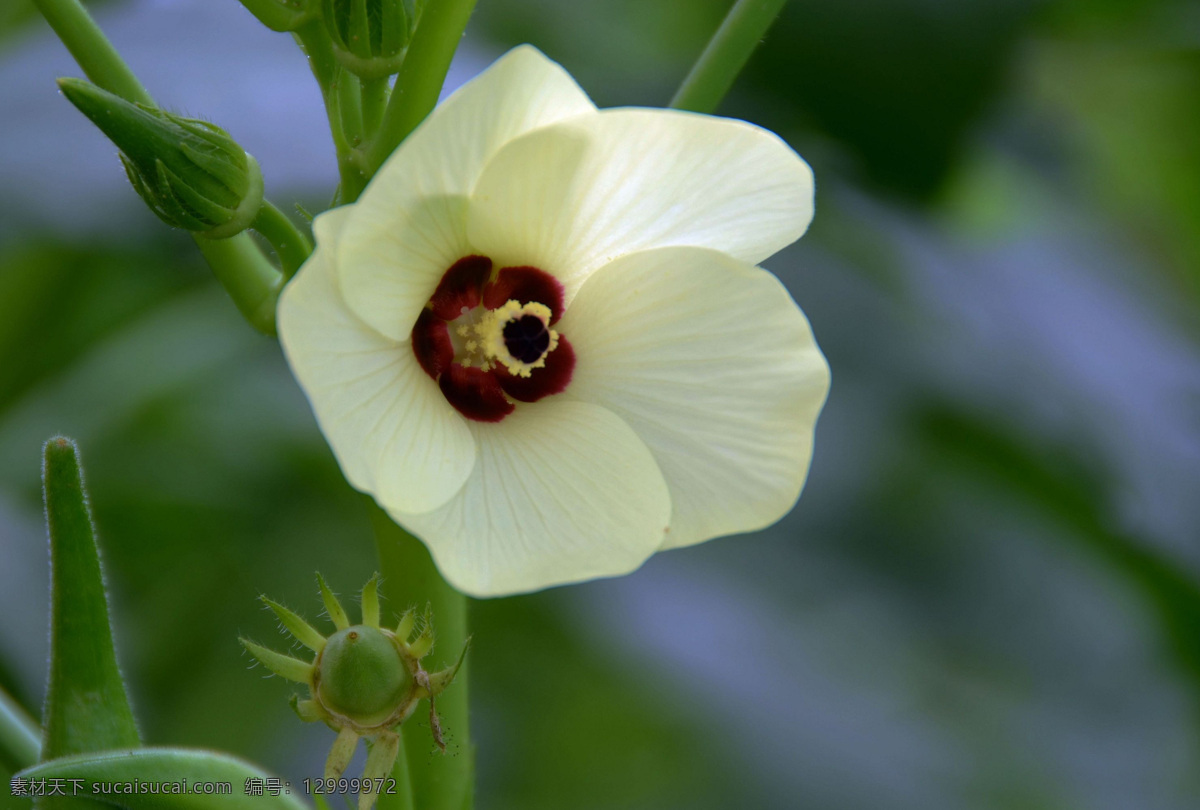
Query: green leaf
(10, 801)
(181, 768)
(86, 707)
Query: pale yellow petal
(561, 492)
(571, 197)
(390, 263)
(389, 426)
(714, 366)
(407, 227)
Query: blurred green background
(989, 594)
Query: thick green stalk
(92, 50)
(374, 102)
(291, 246)
(20, 738)
(247, 275)
(421, 77)
(349, 91)
(315, 43)
(726, 55)
(440, 781)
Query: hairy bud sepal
(191, 173)
(364, 680)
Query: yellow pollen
(490, 330)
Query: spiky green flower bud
(364, 680)
(190, 172)
(370, 36)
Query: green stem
(291, 246)
(440, 782)
(726, 55)
(314, 41)
(421, 77)
(349, 92)
(92, 50)
(250, 279)
(349, 118)
(374, 102)
(20, 738)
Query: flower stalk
(315, 43)
(421, 76)
(726, 54)
(290, 244)
(92, 50)
(440, 782)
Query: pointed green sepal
(283, 665)
(341, 753)
(423, 643)
(337, 613)
(308, 710)
(304, 632)
(380, 759)
(438, 681)
(163, 766)
(86, 706)
(405, 626)
(370, 602)
(191, 173)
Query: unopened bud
(370, 36)
(191, 173)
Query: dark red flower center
(488, 338)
